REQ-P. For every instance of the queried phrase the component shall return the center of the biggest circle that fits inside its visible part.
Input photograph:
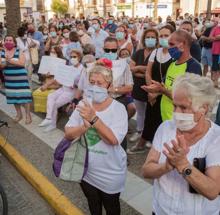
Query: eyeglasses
(111, 50)
(73, 56)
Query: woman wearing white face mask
(66, 33)
(179, 146)
(105, 178)
(63, 95)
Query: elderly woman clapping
(105, 122)
(177, 143)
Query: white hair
(99, 69)
(200, 90)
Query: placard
(50, 64)
(118, 68)
(67, 75)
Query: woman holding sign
(63, 95)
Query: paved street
(22, 198)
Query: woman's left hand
(155, 87)
(177, 155)
(86, 111)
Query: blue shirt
(98, 41)
(111, 27)
(37, 35)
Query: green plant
(59, 6)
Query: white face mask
(66, 35)
(74, 61)
(184, 121)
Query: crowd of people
(126, 67)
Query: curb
(60, 203)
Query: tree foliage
(59, 6)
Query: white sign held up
(118, 68)
(50, 64)
(67, 75)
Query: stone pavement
(22, 198)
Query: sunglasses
(111, 50)
(73, 56)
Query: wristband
(94, 120)
(75, 101)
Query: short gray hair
(199, 89)
(106, 72)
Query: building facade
(136, 8)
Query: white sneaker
(50, 128)
(45, 122)
(134, 137)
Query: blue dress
(17, 88)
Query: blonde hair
(100, 69)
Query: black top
(206, 33)
(137, 92)
(195, 50)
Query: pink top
(215, 44)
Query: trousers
(56, 100)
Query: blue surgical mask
(119, 35)
(53, 34)
(110, 22)
(175, 53)
(96, 26)
(150, 42)
(60, 25)
(110, 55)
(164, 42)
(96, 94)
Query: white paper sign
(50, 64)
(118, 68)
(67, 75)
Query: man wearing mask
(36, 35)
(98, 38)
(215, 38)
(195, 49)
(111, 26)
(124, 84)
(180, 43)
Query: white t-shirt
(161, 57)
(107, 163)
(170, 191)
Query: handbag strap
(86, 163)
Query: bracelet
(94, 120)
(75, 101)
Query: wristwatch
(94, 120)
(187, 171)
